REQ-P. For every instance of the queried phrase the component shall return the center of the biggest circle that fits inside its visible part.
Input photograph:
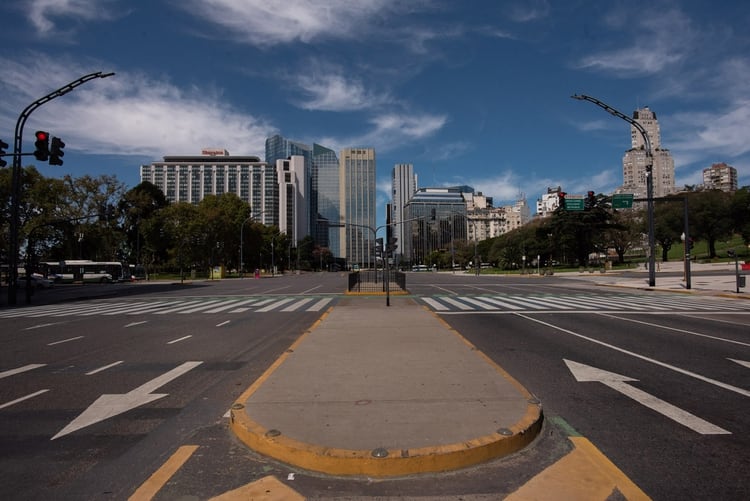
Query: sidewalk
(708, 278)
(384, 391)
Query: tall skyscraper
(358, 204)
(281, 148)
(294, 219)
(325, 190)
(634, 161)
(404, 185)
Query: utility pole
(15, 193)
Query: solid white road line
(13, 402)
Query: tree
(739, 209)
(137, 206)
(710, 217)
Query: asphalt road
(674, 416)
(96, 394)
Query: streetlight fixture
(649, 180)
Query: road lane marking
(223, 323)
(230, 304)
(685, 372)
(586, 373)
(683, 331)
(741, 362)
(297, 305)
(14, 402)
(180, 339)
(320, 304)
(65, 340)
(107, 406)
(133, 324)
(19, 370)
(100, 369)
(583, 473)
(160, 477)
(38, 326)
(275, 305)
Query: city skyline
(469, 95)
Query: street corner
(382, 462)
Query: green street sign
(622, 201)
(574, 204)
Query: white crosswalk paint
(320, 304)
(231, 304)
(602, 302)
(275, 305)
(297, 305)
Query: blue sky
(472, 92)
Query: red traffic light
(42, 146)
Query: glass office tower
(325, 180)
(358, 205)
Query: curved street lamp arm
(618, 114)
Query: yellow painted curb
(383, 462)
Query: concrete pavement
(383, 391)
(705, 278)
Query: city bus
(82, 270)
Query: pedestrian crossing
(174, 306)
(578, 302)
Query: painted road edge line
(160, 477)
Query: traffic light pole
(15, 192)
(649, 180)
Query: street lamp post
(649, 180)
(15, 194)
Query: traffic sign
(622, 201)
(573, 203)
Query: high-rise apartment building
(294, 219)
(720, 176)
(404, 185)
(357, 195)
(634, 161)
(191, 178)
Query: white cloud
(658, 41)
(529, 10)
(45, 15)
(130, 114)
(725, 133)
(265, 23)
(332, 91)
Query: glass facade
(441, 221)
(325, 180)
(358, 202)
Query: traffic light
(3, 145)
(561, 196)
(391, 247)
(56, 151)
(42, 146)
(379, 247)
(590, 202)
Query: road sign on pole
(574, 202)
(622, 201)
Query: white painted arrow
(743, 363)
(586, 373)
(107, 406)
